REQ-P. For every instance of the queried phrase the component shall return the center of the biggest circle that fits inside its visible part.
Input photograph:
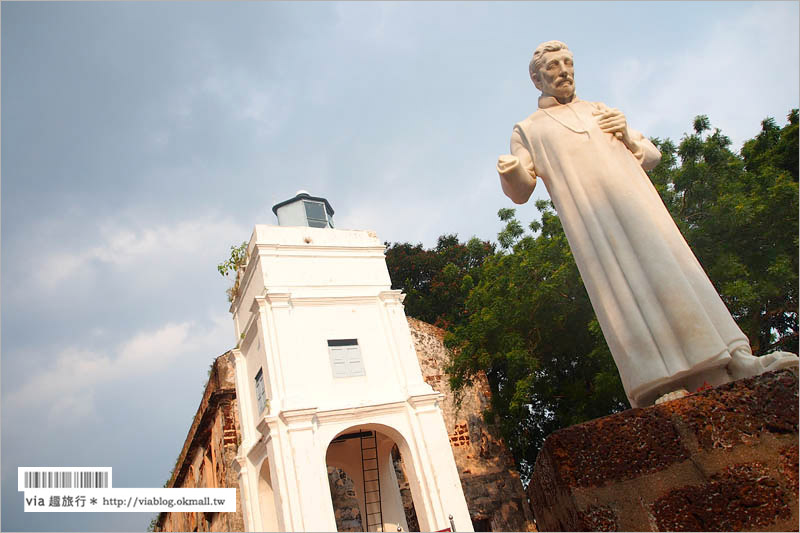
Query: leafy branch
(237, 259)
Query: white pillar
(307, 462)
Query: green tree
(532, 330)
(437, 281)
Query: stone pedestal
(724, 459)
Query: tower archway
(371, 456)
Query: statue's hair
(537, 60)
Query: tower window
(315, 213)
(261, 396)
(346, 358)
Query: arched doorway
(371, 459)
(266, 498)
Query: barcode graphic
(54, 479)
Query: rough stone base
(724, 459)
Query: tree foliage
(437, 281)
(532, 329)
(231, 265)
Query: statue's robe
(659, 312)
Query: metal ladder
(372, 481)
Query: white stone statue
(664, 322)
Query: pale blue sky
(141, 140)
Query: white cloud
(166, 246)
(239, 94)
(154, 349)
(65, 389)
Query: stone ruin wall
(722, 459)
(209, 452)
(491, 483)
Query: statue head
(552, 71)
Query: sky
(140, 140)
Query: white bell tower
(327, 376)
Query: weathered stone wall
(208, 453)
(345, 502)
(492, 487)
(725, 459)
(405, 490)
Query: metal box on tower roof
(304, 210)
